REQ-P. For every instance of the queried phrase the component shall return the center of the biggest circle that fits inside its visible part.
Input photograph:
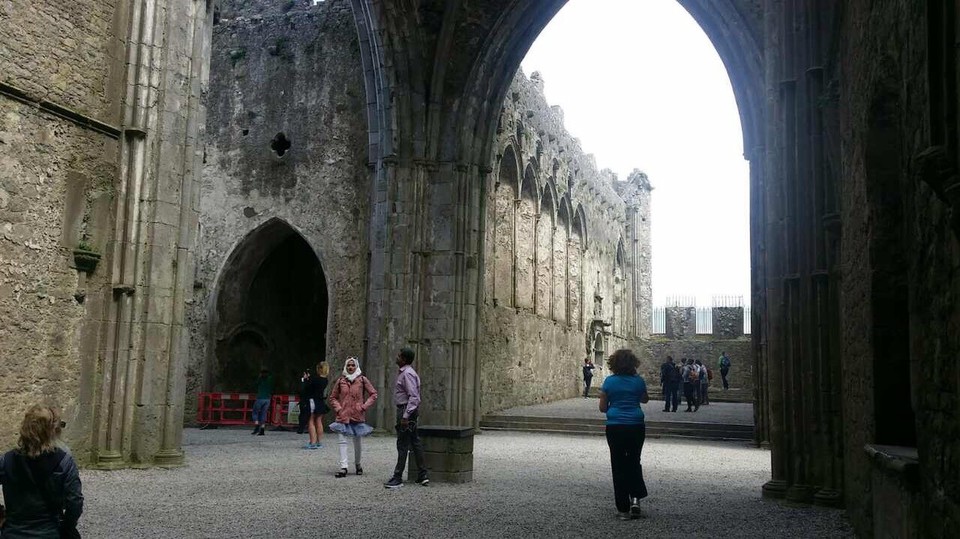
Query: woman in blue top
(620, 398)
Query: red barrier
(225, 408)
(284, 410)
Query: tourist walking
(316, 387)
(352, 396)
(724, 369)
(670, 382)
(264, 387)
(691, 385)
(406, 395)
(587, 375)
(41, 483)
(704, 382)
(621, 395)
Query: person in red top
(406, 395)
(352, 396)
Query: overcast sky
(642, 87)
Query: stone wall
(568, 257)
(290, 68)
(57, 185)
(706, 348)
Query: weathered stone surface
(299, 75)
(548, 263)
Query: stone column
(140, 408)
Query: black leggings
(626, 444)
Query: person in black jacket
(670, 382)
(41, 483)
(304, 402)
(318, 406)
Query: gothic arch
(528, 210)
(269, 309)
(545, 258)
(505, 195)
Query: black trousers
(692, 394)
(626, 444)
(408, 439)
(723, 374)
(586, 385)
(671, 396)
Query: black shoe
(394, 482)
(341, 473)
(666, 410)
(695, 408)
(688, 410)
(359, 470)
(423, 481)
(261, 431)
(256, 429)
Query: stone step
(702, 431)
(715, 395)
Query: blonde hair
(323, 370)
(39, 431)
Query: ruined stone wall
(707, 349)
(900, 236)
(567, 251)
(56, 190)
(291, 68)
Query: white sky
(642, 87)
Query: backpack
(725, 362)
(694, 376)
(709, 373)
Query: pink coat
(347, 399)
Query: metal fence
(704, 315)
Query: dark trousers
(304, 415)
(723, 374)
(626, 444)
(703, 394)
(407, 439)
(671, 396)
(586, 385)
(691, 394)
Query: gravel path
(730, 413)
(237, 485)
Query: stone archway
(464, 59)
(270, 310)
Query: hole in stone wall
(280, 144)
(245, 132)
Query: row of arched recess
(539, 244)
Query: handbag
(66, 532)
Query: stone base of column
(109, 460)
(775, 488)
(828, 497)
(800, 494)
(168, 458)
(448, 454)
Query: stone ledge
(897, 460)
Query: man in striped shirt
(406, 395)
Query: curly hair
(623, 361)
(39, 431)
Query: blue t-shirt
(623, 399)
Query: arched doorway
(270, 310)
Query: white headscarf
(356, 373)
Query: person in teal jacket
(262, 404)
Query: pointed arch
(505, 195)
(575, 269)
(527, 213)
(561, 236)
(545, 263)
(271, 306)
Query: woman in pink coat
(352, 396)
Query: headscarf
(356, 373)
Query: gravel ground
(237, 485)
(731, 413)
